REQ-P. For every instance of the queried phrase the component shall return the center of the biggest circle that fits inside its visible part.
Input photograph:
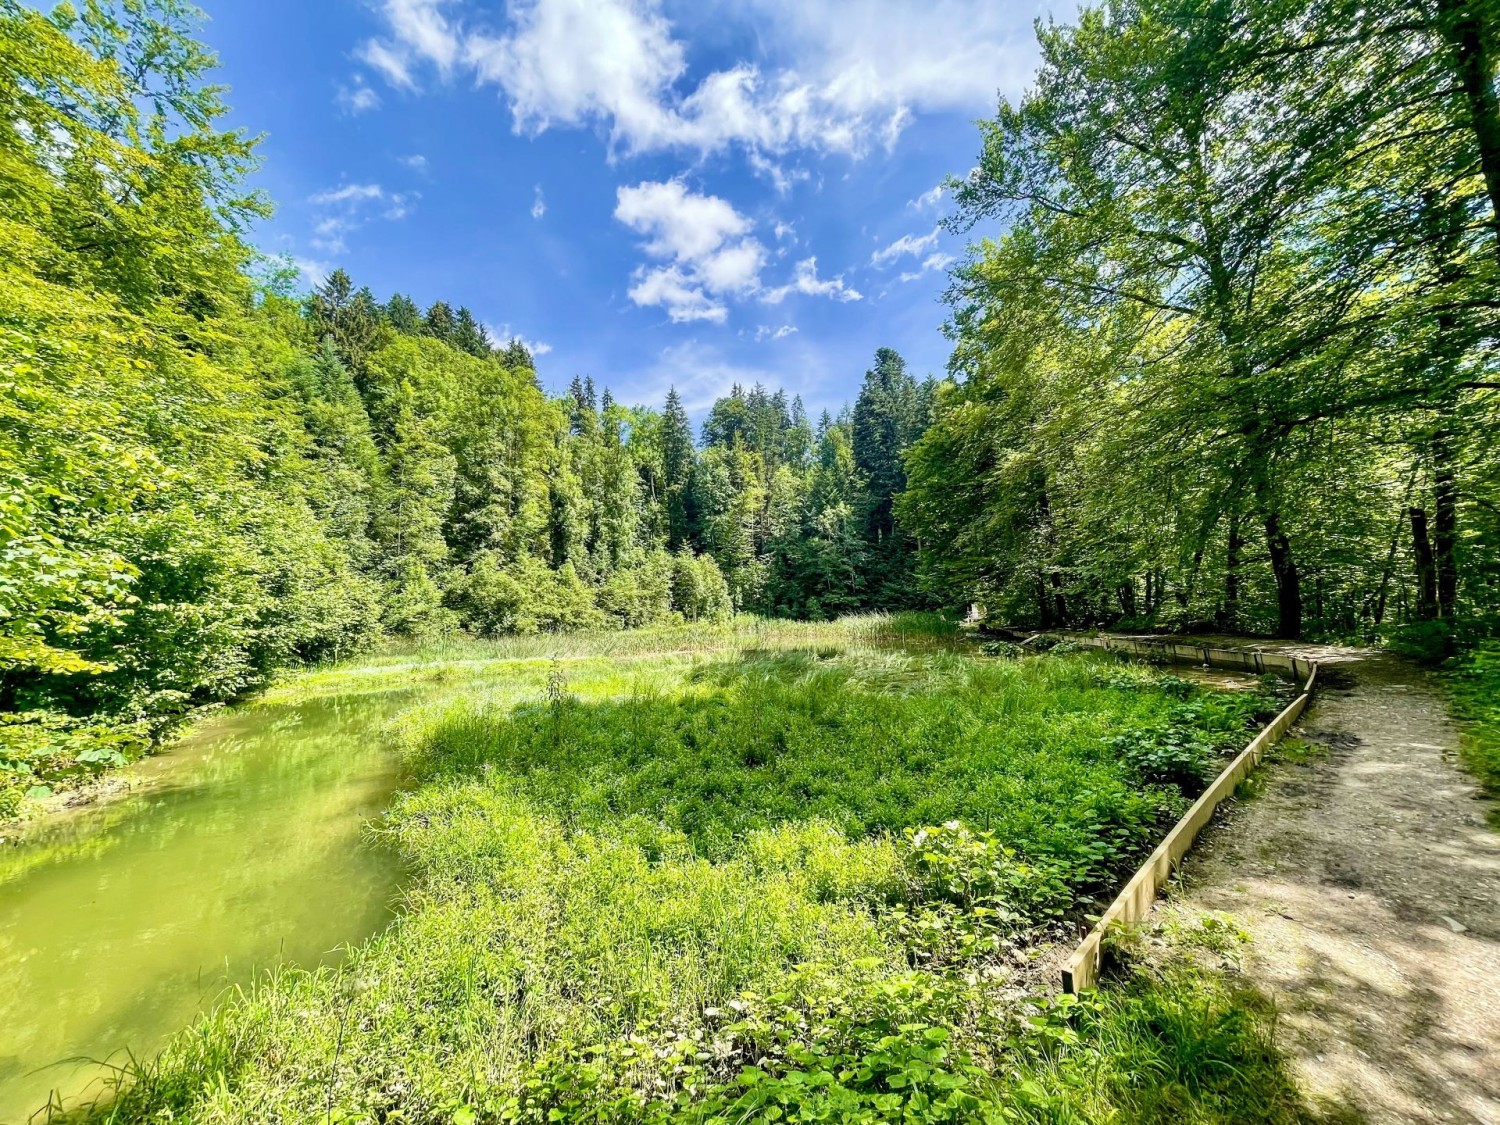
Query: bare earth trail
(1370, 883)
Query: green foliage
(1187, 749)
(158, 548)
(1474, 682)
(646, 887)
(1224, 355)
(1012, 749)
(206, 479)
(1175, 1044)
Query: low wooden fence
(1133, 903)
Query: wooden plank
(1134, 901)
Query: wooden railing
(1133, 903)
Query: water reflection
(119, 923)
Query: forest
(1223, 360)
(1206, 372)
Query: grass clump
(1474, 684)
(771, 883)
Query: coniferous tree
(351, 320)
(440, 323)
(677, 470)
(402, 314)
(516, 354)
(469, 335)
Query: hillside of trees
(209, 475)
(1223, 356)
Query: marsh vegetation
(808, 872)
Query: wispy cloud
(357, 98)
(908, 244)
(805, 280)
(933, 263)
(929, 199)
(538, 204)
(766, 332)
(347, 208)
(312, 271)
(349, 193)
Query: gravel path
(1370, 883)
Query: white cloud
(680, 223)
(538, 204)
(349, 193)
(682, 297)
(311, 270)
(416, 162)
(933, 263)
(708, 254)
(503, 335)
(805, 280)
(766, 332)
(928, 199)
(345, 209)
(781, 179)
(704, 242)
(876, 57)
(907, 244)
(391, 64)
(420, 33)
(785, 230)
(839, 75)
(357, 98)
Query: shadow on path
(1371, 885)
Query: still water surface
(246, 850)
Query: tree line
(208, 475)
(1223, 356)
(1226, 353)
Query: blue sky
(650, 193)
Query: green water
(119, 923)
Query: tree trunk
(1059, 598)
(1474, 66)
(1445, 522)
(1421, 546)
(1283, 563)
(1288, 580)
(1390, 559)
(1231, 619)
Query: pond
(244, 848)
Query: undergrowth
(1474, 684)
(778, 885)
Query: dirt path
(1370, 883)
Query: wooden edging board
(1133, 903)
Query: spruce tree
(440, 322)
(402, 314)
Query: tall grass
(794, 877)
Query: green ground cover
(1474, 684)
(803, 876)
